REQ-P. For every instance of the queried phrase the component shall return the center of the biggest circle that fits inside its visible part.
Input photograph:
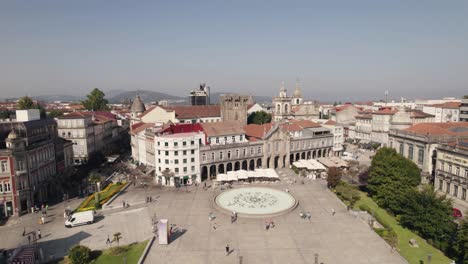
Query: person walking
(39, 234)
(227, 250)
(43, 220)
(24, 231)
(333, 212)
(123, 204)
(108, 240)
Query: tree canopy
(334, 177)
(95, 101)
(26, 102)
(390, 177)
(259, 117)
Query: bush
(347, 193)
(79, 254)
(295, 169)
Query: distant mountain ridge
(146, 96)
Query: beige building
(451, 175)
(294, 107)
(234, 107)
(445, 112)
(420, 141)
(187, 114)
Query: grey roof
(138, 106)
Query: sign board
(163, 231)
(453, 159)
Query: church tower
(282, 104)
(297, 96)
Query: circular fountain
(257, 202)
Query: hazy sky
(343, 50)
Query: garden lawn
(411, 254)
(104, 196)
(133, 254)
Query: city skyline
(340, 51)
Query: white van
(82, 218)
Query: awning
(186, 177)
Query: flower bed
(104, 196)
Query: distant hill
(58, 97)
(146, 96)
(259, 99)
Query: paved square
(337, 239)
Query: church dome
(297, 92)
(138, 106)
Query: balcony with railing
(452, 178)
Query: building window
(244, 152)
(420, 155)
(185, 169)
(463, 193)
(212, 156)
(203, 157)
(442, 166)
(448, 188)
(410, 151)
(184, 152)
(159, 160)
(251, 151)
(401, 148)
(276, 145)
(225, 140)
(6, 187)
(3, 167)
(221, 155)
(185, 160)
(184, 143)
(441, 183)
(176, 170)
(233, 138)
(166, 144)
(450, 169)
(167, 153)
(193, 168)
(176, 161)
(192, 142)
(192, 159)
(176, 153)
(455, 190)
(241, 138)
(457, 171)
(217, 140)
(229, 154)
(176, 144)
(192, 151)
(1, 188)
(166, 161)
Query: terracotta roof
(342, 107)
(142, 127)
(305, 123)
(181, 128)
(98, 114)
(440, 129)
(194, 111)
(222, 128)
(459, 144)
(135, 126)
(385, 111)
(255, 132)
(452, 105)
(419, 114)
(291, 127)
(330, 122)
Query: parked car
(456, 213)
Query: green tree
(430, 215)
(334, 177)
(259, 117)
(95, 101)
(465, 96)
(460, 247)
(391, 176)
(26, 102)
(95, 178)
(5, 113)
(79, 255)
(54, 113)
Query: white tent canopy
(309, 165)
(243, 175)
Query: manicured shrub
(79, 254)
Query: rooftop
(451, 105)
(223, 128)
(440, 129)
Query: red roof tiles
(451, 105)
(440, 129)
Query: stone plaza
(332, 238)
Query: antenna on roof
(386, 97)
